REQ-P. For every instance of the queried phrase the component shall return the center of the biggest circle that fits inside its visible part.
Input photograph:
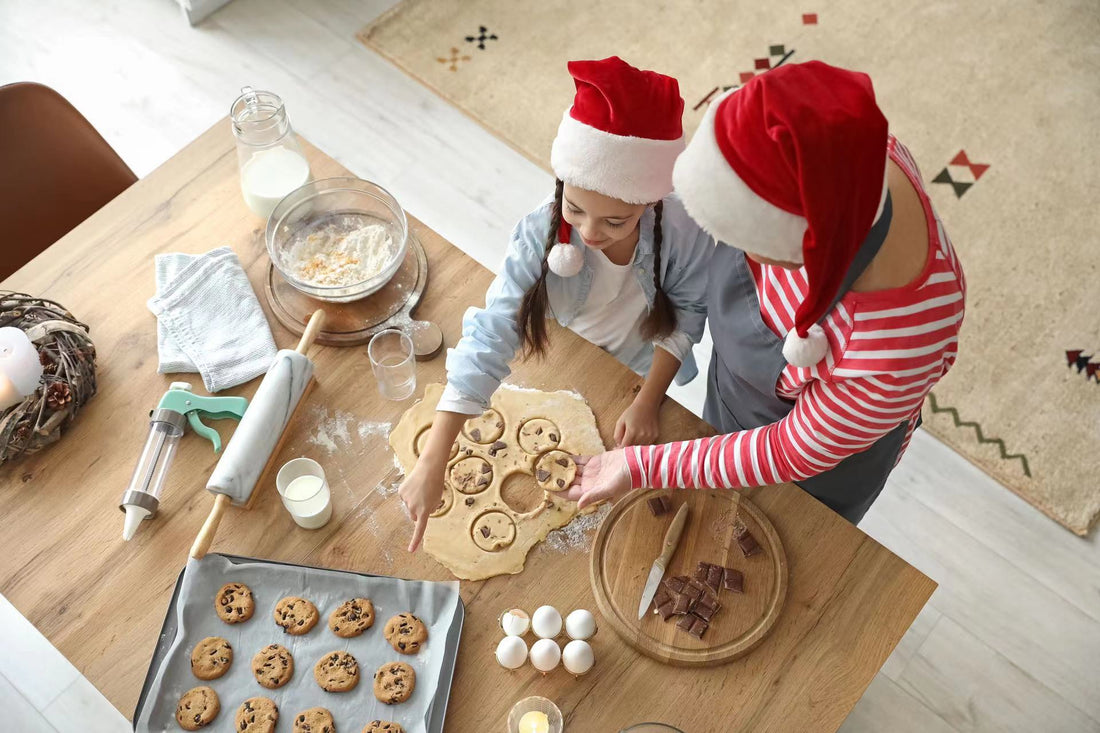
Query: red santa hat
(623, 132)
(792, 167)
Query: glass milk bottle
(271, 161)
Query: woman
(835, 297)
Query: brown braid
(661, 321)
(532, 310)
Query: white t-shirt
(615, 307)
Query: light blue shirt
(491, 336)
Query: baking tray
(170, 626)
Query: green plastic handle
(195, 406)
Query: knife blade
(672, 539)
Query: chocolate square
(701, 571)
(694, 589)
(656, 506)
(706, 607)
(681, 603)
(675, 584)
(661, 596)
(666, 503)
(666, 611)
(714, 577)
(686, 623)
(749, 545)
(733, 580)
(698, 627)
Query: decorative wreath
(67, 355)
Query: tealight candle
(19, 365)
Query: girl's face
(600, 220)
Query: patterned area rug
(997, 101)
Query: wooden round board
(630, 539)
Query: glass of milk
(271, 160)
(305, 493)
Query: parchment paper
(435, 603)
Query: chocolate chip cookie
(234, 603)
(336, 672)
(352, 618)
(314, 720)
(485, 428)
(197, 708)
(257, 715)
(296, 615)
(383, 726)
(394, 682)
(405, 633)
(273, 666)
(539, 435)
(555, 470)
(211, 657)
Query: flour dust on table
(493, 509)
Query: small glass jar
(271, 161)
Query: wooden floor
(1009, 642)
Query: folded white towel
(209, 320)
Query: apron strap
(867, 251)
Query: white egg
(511, 652)
(578, 657)
(515, 622)
(580, 624)
(546, 622)
(545, 654)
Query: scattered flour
(341, 430)
(577, 535)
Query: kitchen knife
(672, 539)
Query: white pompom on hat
(620, 138)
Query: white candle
(19, 364)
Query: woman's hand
(638, 425)
(600, 478)
(422, 491)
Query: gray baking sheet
(437, 604)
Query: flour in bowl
(342, 252)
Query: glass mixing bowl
(327, 209)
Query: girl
(610, 256)
(835, 306)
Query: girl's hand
(638, 425)
(422, 491)
(599, 478)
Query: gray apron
(748, 360)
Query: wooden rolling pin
(255, 443)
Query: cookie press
(178, 407)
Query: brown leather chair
(55, 171)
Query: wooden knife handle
(672, 536)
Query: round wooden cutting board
(630, 539)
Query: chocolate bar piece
(706, 607)
(665, 609)
(661, 596)
(656, 506)
(698, 627)
(701, 571)
(681, 603)
(676, 583)
(694, 589)
(733, 580)
(714, 577)
(748, 543)
(686, 622)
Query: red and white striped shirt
(886, 351)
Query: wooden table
(101, 600)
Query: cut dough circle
(494, 531)
(539, 435)
(471, 475)
(555, 470)
(485, 428)
(422, 440)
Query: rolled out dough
(475, 533)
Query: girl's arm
(639, 422)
